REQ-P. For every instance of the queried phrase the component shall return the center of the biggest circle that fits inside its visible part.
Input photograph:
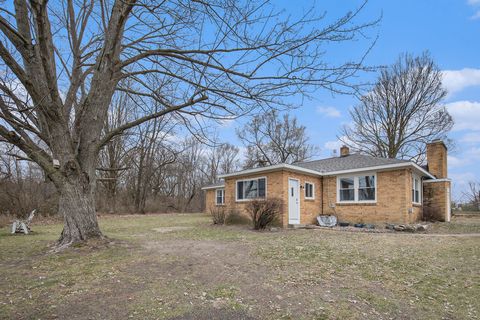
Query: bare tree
(222, 158)
(191, 169)
(23, 186)
(152, 152)
(272, 139)
(229, 161)
(402, 113)
(473, 194)
(63, 60)
(114, 157)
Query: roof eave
(275, 167)
(213, 187)
(425, 172)
(382, 167)
(284, 166)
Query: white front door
(293, 201)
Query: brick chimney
(437, 159)
(344, 151)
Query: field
(182, 267)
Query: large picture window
(358, 188)
(416, 190)
(251, 189)
(220, 196)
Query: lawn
(182, 267)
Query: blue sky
(450, 31)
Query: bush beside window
(264, 212)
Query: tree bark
(77, 206)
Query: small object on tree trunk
(56, 163)
(23, 226)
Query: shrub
(264, 212)
(219, 215)
(235, 217)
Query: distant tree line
(150, 168)
(154, 168)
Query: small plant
(264, 212)
(219, 215)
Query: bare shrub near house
(219, 215)
(264, 212)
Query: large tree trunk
(77, 206)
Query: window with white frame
(346, 189)
(251, 188)
(220, 196)
(416, 189)
(309, 190)
(366, 188)
(357, 188)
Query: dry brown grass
(193, 270)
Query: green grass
(294, 274)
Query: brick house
(354, 187)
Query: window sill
(309, 199)
(417, 204)
(356, 203)
(248, 200)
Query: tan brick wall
(436, 200)
(437, 159)
(309, 209)
(277, 187)
(274, 190)
(210, 201)
(393, 200)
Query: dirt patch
(170, 229)
(208, 261)
(215, 314)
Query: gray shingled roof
(217, 184)
(352, 161)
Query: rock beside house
(408, 227)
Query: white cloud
(471, 137)
(474, 3)
(462, 178)
(460, 184)
(226, 123)
(454, 162)
(333, 145)
(476, 16)
(468, 157)
(331, 112)
(466, 115)
(457, 80)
